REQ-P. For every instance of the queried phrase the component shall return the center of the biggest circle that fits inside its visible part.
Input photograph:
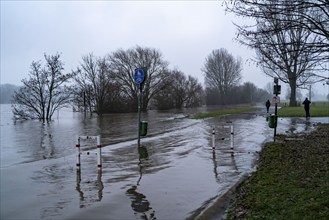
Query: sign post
(139, 77)
(276, 91)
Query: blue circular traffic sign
(139, 76)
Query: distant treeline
(6, 92)
(106, 84)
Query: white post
(99, 155)
(232, 140)
(213, 138)
(78, 165)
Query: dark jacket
(268, 103)
(306, 103)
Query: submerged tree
(179, 92)
(93, 84)
(122, 66)
(44, 92)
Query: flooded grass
(317, 109)
(291, 182)
(221, 112)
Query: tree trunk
(293, 101)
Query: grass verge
(317, 109)
(291, 182)
(222, 112)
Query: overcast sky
(185, 32)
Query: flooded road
(176, 174)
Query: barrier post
(232, 141)
(99, 153)
(78, 165)
(231, 138)
(213, 138)
(99, 158)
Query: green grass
(221, 112)
(291, 182)
(317, 109)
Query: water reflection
(215, 164)
(223, 155)
(90, 186)
(46, 142)
(139, 203)
(296, 125)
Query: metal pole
(78, 165)
(139, 114)
(99, 156)
(232, 141)
(276, 109)
(213, 138)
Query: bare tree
(123, 64)
(177, 88)
(44, 92)
(290, 38)
(180, 91)
(194, 93)
(93, 83)
(222, 72)
(314, 16)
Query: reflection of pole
(100, 185)
(215, 164)
(78, 188)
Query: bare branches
(43, 93)
(291, 38)
(123, 64)
(222, 71)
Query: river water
(174, 174)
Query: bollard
(232, 141)
(78, 155)
(99, 159)
(213, 138)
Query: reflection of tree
(47, 141)
(98, 183)
(139, 203)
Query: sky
(185, 32)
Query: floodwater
(174, 174)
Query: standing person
(268, 104)
(306, 104)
